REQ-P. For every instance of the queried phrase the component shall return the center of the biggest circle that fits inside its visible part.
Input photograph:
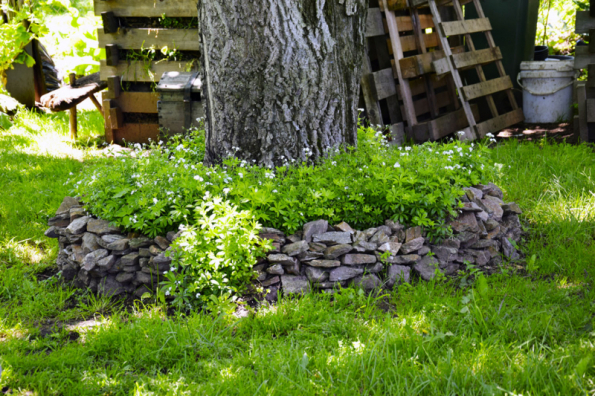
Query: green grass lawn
(529, 332)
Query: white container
(547, 90)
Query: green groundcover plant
(166, 187)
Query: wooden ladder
(453, 63)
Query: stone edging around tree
(98, 256)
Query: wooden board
(138, 71)
(383, 84)
(590, 83)
(590, 111)
(582, 57)
(443, 126)
(408, 42)
(147, 8)
(468, 59)
(581, 93)
(418, 65)
(584, 22)
(137, 102)
(376, 25)
(418, 86)
(486, 88)
(498, 123)
(394, 5)
(456, 28)
(423, 107)
(180, 39)
(136, 133)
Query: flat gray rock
(309, 256)
(91, 259)
(511, 208)
(275, 269)
(336, 238)
(101, 227)
(358, 259)
(51, 232)
(66, 205)
(293, 249)
(426, 268)
(367, 282)
(282, 259)
(336, 251)
(295, 284)
(325, 263)
(105, 264)
(162, 242)
(314, 228)
(119, 245)
(493, 208)
(509, 250)
(344, 227)
(404, 259)
(316, 274)
(109, 286)
(465, 222)
(445, 253)
(398, 274)
(78, 226)
(392, 247)
(130, 259)
(413, 245)
(105, 240)
(125, 277)
(137, 243)
(344, 273)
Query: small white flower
(489, 135)
(226, 191)
(397, 165)
(198, 178)
(241, 175)
(167, 293)
(197, 295)
(172, 269)
(164, 272)
(275, 191)
(461, 133)
(155, 200)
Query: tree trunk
(281, 77)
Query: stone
(482, 258)
(144, 252)
(274, 237)
(491, 224)
(374, 269)
(494, 191)
(262, 275)
(344, 227)
(171, 236)
(493, 234)
(358, 259)
(465, 222)
(101, 227)
(317, 247)
(511, 208)
(154, 250)
(398, 274)
(51, 232)
(282, 259)
(59, 221)
(309, 256)
(333, 238)
(105, 264)
(406, 259)
(509, 250)
(484, 244)
(336, 251)
(276, 269)
(91, 259)
(394, 226)
(344, 273)
(76, 213)
(77, 255)
(162, 242)
(482, 232)
(398, 236)
(325, 263)
(119, 245)
(473, 193)
(426, 268)
(276, 248)
(161, 260)
(367, 282)
(493, 208)
(125, 277)
(451, 243)
(444, 253)
(359, 237)
(295, 284)
(494, 199)
(78, 226)
(130, 259)
(136, 243)
(380, 237)
(366, 246)
(294, 269)
(141, 291)
(328, 285)
(314, 228)
(269, 230)
(293, 249)
(412, 233)
(450, 269)
(423, 251)
(66, 205)
(463, 258)
(369, 233)
(83, 279)
(467, 239)
(269, 282)
(392, 247)
(294, 238)
(105, 240)
(75, 239)
(143, 262)
(471, 207)
(412, 245)
(316, 274)
(483, 216)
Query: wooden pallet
(130, 103)
(453, 63)
(585, 59)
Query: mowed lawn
(527, 331)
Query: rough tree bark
(281, 77)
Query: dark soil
(532, 132)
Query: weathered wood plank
(441, 127)
(180, 39)
(423, 107)
(137, 102)
(496, 124)
(590, 83)
(136, 133)
(583, 58)
(148, 8)
(418, 87)
(373, 110)
(408, 42)
(418, 65)
(467, 59)
(581, 93)
(374, 23)
(590, 110)
(394, 5)
(383, 84)
(140, 71)
(486, 88)
(457, 28)
(584, 22)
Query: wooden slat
(137, 102)
(456, 28)
(405, 24)
(374, 23)
(584, 22)
(581, 93)
(147, 8)
(498, 123)
(418, 65)
(140, 71)
(408, 42)
(373, 110)
(590, 83)
(383, 84)
(468, 59)
(418, 87)
(180, 39)
(486, 88)
(394, 5)
(425, 3)
(443, 126)
(422, 106)
(590, 110)
(582, 57)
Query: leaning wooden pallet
(134, 33)
(454, 63)
(585, 59)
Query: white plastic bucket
(547, 90)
